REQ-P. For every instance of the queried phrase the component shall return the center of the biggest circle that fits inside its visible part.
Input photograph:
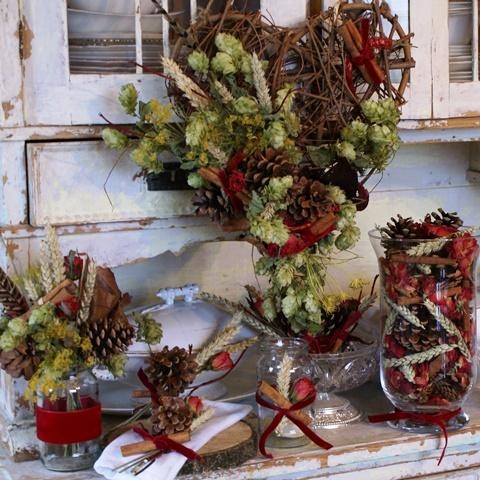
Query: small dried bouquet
(65, 314)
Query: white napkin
(168, 465)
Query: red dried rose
(302, 389)
(195, 404)
(221, 361)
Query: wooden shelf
(361, 450)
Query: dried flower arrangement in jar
(428, 352)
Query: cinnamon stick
(425, 259)
(449, 292)
(274, 395)
(353, 50)
(147, 445)
(138, 393)
(358, 41)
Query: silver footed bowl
(339, 372)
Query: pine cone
(449, 219)
(401, 227)
(212, 202)
(260, 167)
(21, 362)
(307, 200)
(109, 337)
(13, 301)
(416, 339)
(171, 415)
(447, 390)
(171, 370)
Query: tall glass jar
(282, 362)
(428, 348)
(69, 423)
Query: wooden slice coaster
(229, 448)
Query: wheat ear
(284, 374)
(219, 342)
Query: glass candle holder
(69, 423)
(281, 364)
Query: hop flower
(223, 63)
(128, 98)
(114, 139)
(199, 62)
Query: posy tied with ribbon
(167, 465)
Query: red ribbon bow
(440, 419)
(162, 442)
(367, 55)
(287, 412)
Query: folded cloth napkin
(169, 464)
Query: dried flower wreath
(279, 129)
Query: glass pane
(397, 59)
(102, 34)
(460, 35)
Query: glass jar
(281, 363)
(69, 423)
(428, 348)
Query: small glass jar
(276, 354)
(428, 351)
(69, 423)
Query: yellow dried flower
(358, 283)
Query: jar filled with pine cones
(428, 350)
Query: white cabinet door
(456, 91)
(56, 95)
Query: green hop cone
(223, 63)
(198, 61)
(114, 139)
(128, 98)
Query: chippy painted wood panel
(13, 189)
(85, 182)
(52, 95)
(108, 244)
(11, 82)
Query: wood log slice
(229, 448)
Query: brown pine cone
(402, 228)
(449, 219)
(109, 337)
(260, 167)
(171, 415)
(211, 201)
(447, 390)
(307, 200)
(20, 362)
(170, 371)
(13, 301)
(416, 339)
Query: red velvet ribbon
(367, 55)
(148, 385)
(162, 442)
(287, 412)
(224, 176)
(72, 426)
(440, 419)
